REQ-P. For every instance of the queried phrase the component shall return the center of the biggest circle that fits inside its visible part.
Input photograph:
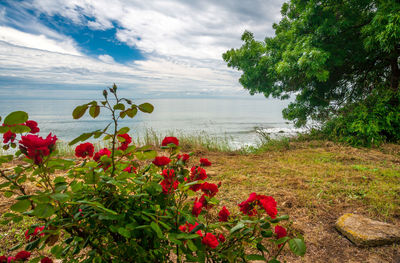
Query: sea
(236, 121)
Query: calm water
(236, 119)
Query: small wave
(282, 130)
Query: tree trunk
(395, 75)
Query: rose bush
(128, 203)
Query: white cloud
(19, 38)
(106, 58)
(182, 42)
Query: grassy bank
(314, 182)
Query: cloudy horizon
(73, 49)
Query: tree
(330, 54)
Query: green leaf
(191, 246)
(119, 106)
(124, 232)
(20, 129)
(5, 158)
(79, 111)
(297, 246)
(60, 197)
(274, 261)
(32, 245)
(43, 210)
(21, 206)
(267, 233)
(94, 111)
(16, 117)
(239, 225)
(156, 229)
(131, 112)
(123, 130)
(255, 257)
(146, 107)
(81, 138)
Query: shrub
(368, 123)
(130, 203)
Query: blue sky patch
(90, 42)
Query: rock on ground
(363, 231)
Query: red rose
(126, 142)
(10, 259)
(22, 255)
(169, 140)
(221, 238)
(161, 161)
(36, 232)
(100, 153)
(35, 147)
(197, 173)
(269, 205)
(197, 207)
(210, 240)
(205, 162)
(189, 228)
(280, 232)
(223, 214)
(33, 126)
(3, 259)
(248, 206)
(46, 260)
(9, 137)
(169, 184)
(209, 189)
(184, 157)
(83, 150)
(130, 169)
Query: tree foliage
(330, 54)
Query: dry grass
(314, 183)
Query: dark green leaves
(297, 246)
(94, 111)
(21, 206)
(16, 117)
(81, 138)
(255, 257)
(79, 111)
(146, 107)
(43, 210)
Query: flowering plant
(128, 203)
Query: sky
(75, 48)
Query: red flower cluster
(33, 126)
(36, 232)
(161, 160)
(221, 238)
(205, 162)
(280, 232)
(170, 183)
(83, 150)
(184, 157)
(46, 260)
(197, 208)
(197, 173)
(189, 227)
(223, 214)
(170, 140)
(9, 137)
(35, 147)
(20, 256)
(268, 203)
(130, 169)
(209, 189)
(100, 153)
(126, 142)
(210, 240)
